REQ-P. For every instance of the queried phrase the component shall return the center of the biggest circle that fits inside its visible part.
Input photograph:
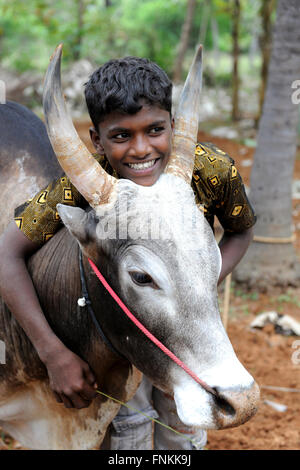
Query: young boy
(129, 101)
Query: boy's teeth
(141, 166)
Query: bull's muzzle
(235, 406)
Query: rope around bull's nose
(147, 416)
(147, 332)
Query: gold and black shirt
(216, 183)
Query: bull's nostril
(224, 405)
(233, 406)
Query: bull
(23, 171)
(169, 282)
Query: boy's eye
(121, 136)
(156, 130)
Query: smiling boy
(129, 101)
(139, 145)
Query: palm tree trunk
(272, 172)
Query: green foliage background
(30, 29)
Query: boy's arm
(70, 377)
(233, 246)
(237, 218)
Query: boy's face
(138, 145)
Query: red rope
(147, 332)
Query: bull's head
(169, 281)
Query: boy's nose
(140, 148)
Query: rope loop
(261, 239)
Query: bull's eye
(141, 278)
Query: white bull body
(167, 238)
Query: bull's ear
(77, 221)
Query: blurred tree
(273, 263)
(215, 36)
(184, 40)
(236, 14)
(78, 32)
(205, 18)
(266, 10)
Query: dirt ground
(266, 355)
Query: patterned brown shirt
(217, 186)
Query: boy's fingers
(91, 379)
(66, 401)
(57, 397)
(79, 401)
(88, 392)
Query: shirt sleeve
(233, 208)
(38, 218)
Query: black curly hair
(121, 84)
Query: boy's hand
(71, 379)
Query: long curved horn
(181, 162)
(80, 166)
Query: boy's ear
(95, 138)
(79, 223)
